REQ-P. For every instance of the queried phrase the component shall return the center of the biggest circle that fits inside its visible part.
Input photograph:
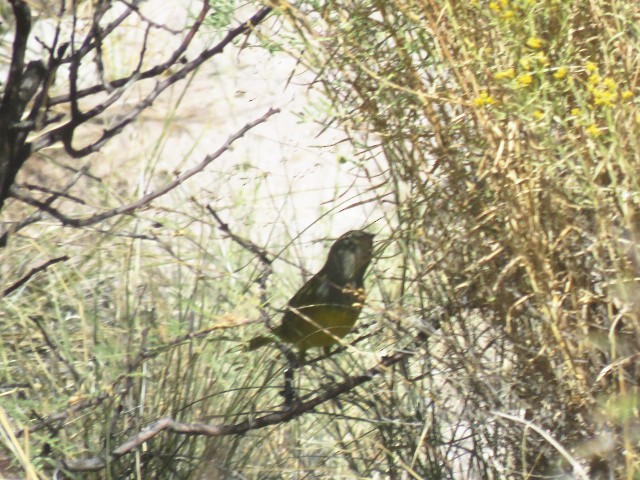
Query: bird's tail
(259, 342)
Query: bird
(327, 306)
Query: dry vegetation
(497, 155)
(511, 133)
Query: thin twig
(243, 242)
(262, 254)
(65, 132)
(55, 349)
(143, 355)
(31, 273)
(145, 200)
(151, 72)
(577, 468)
(297, 409)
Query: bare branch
(297, 409)
(130, 207)
(243, 242)
(13, 147)
(142, 355)
(176, 54)
(151, 72)
(65, 132)
(9, 106)
(54, 193)
(55, 349)
(12, 154)
(261, 253)
(89, 41)
(577, 468)
(32, 272)
(150, 22)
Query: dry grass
(510, 132)
(148, 315)
(498, 143)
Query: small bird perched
(326, 308)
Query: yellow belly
(317, 326)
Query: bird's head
(349, 257)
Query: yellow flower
(503, 74)
(603, 97)
(627, 95)
(482, 99)
(593, 131)
(609, 83)
(594, 78)
(524, 80)
(575, 112)
(542, 59)
(494, 6)
(538, 114)
(561, 73)
(590, 67)
(534, 42)
(525, 63)
(508, 14)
